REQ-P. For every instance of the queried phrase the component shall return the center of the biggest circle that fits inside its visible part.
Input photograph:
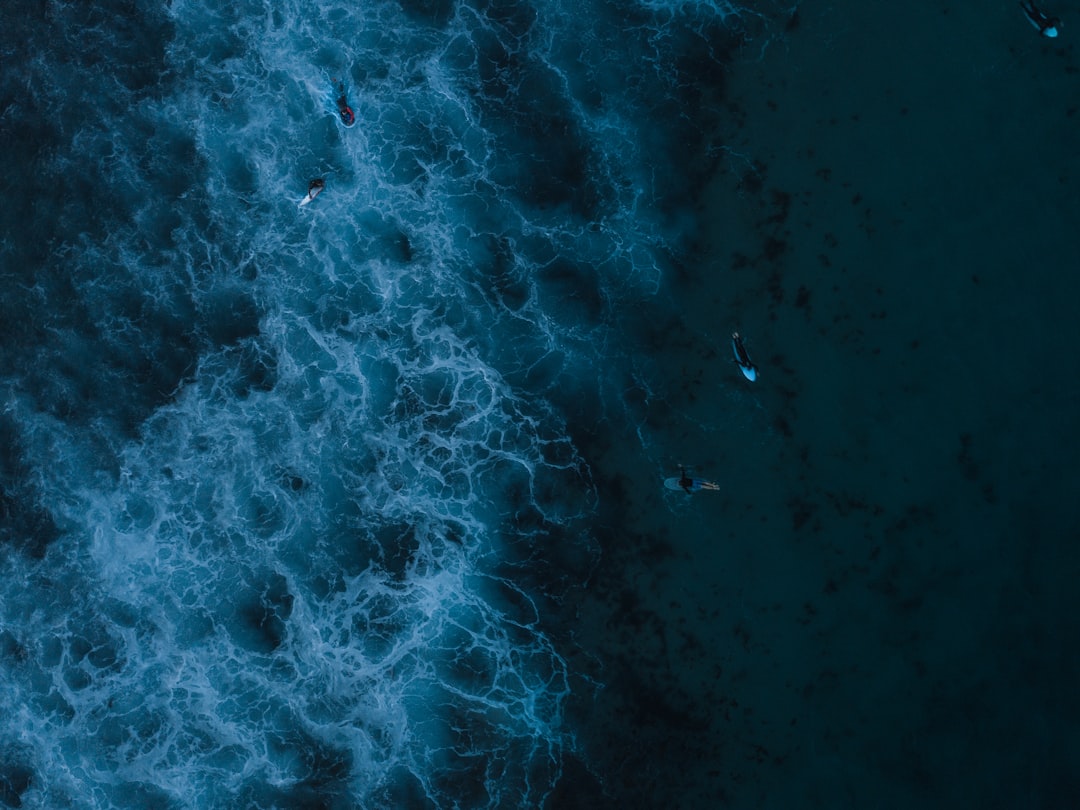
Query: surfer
(742, 357)
(344, 110)
(1048, 26)
(691, 485)
(314, 189)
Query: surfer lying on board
(1048, 26)
(692, 485)
(742, 357)
(344, 110)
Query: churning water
(287, 491)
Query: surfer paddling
(314, 189)
(348, 118)
(690, 485)
(1047, 26)
(742, 357)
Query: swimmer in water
(344, 110)
(1047, 26)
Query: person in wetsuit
(685, 481)
(1048, 26)
(344, 110)
(692, 485)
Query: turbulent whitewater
(287, 492)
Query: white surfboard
(311, 195)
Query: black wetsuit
(685, 481)
(1040, 19)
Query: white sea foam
(289, 454)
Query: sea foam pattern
(273, 477)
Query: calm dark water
(876, 609)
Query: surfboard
(746, 365)
(696, 485)
(311, 195)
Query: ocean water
(295, 502)
(360, 504)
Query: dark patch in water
(515, 17)
(403, 789)
(964, 459)
(263, 616)
(15, 780)
(403, 248)
(574, 288)
(398, 544)
(578, 789)
(436, 13)
(230, 318)
(23, 523)
(256, 368)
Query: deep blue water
(294, 499)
